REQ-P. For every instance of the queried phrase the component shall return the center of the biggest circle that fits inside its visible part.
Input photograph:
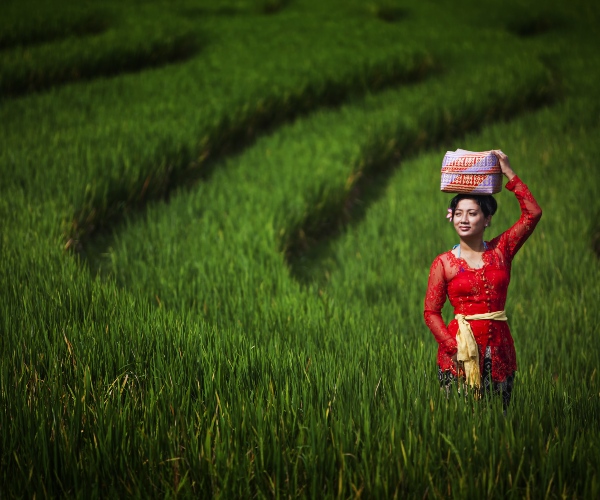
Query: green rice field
(217, 221)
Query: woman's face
(468, 219)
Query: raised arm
(434, 301)
(531, 212)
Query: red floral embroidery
(476, 291)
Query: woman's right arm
(434, 301)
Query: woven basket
(470, 172)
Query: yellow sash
(468, 353)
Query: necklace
(477, 265)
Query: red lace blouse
(475, 291)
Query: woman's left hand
(504, 163)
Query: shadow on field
(203, 12)
(530, 26)
(309, 250)
(230, 140)
(46, 70)
(274, 6)
(267, 7)
(391, 14)
(46, 25)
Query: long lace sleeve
(434, 301)
(531, 213)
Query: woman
(475, 275)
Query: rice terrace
(217, 220)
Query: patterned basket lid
(462, 161)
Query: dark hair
(487, 202)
